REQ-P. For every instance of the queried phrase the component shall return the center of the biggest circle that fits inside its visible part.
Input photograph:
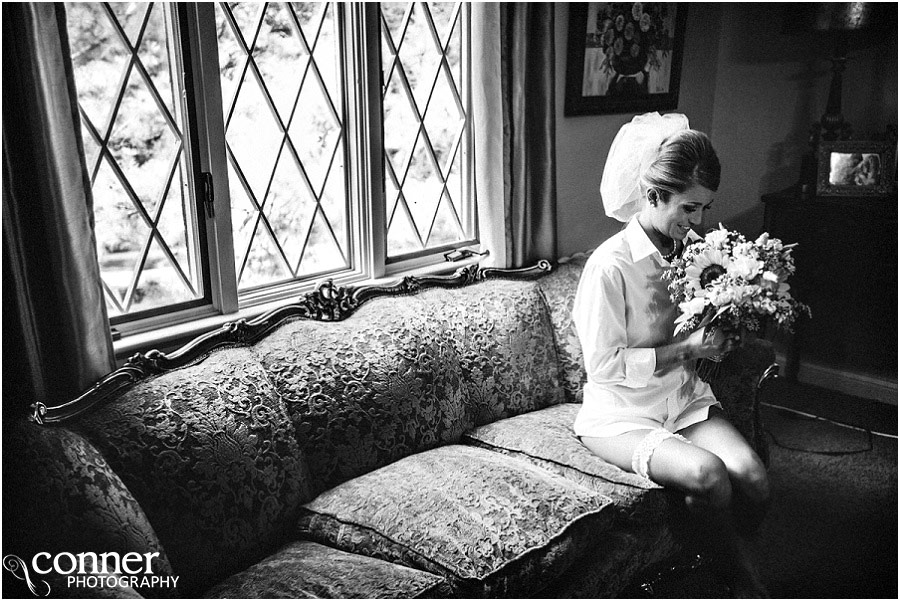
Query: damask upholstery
(492, 525)
(210, 454)
(307, 570)
(60, 495)
(369, 390)
(545, 438)
(504, 338)
(404, 375)
(559, 287)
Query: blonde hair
(686, 158)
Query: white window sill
(169, 338)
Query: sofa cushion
(559, 287)
(491, 524)
(210, 454)
(369, 390)
(504, 338)
(545, 438)
(307, 570)
(60, 495)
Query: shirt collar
(640, 244)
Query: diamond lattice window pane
(424, 126)
(280, 56)
(130, 16)
(155, 57)
(315, 132)
(289, 208)
(322, 253)
(334, 206)
(99, 59)
(144, 150)
(446, 227)
(422, 189)
(283, 134)
(419, 55)
(444, 16)
(145, 221)
(444, 122)
(265, 263)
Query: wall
(754, 89)
(770, 87)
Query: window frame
(360, 32)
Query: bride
(645, 409)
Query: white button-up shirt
(622, 313)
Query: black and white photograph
(455, 300)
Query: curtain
(515, 120)
(56, 331)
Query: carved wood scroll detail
(328, 302)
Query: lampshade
(847, 18)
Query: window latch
(209, 196)
(465, 253)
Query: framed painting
(856, 168)
(624, 57)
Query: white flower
(645, 22)
(637, 10)
(692, 307)
(746, 249)
(744, 266)
(717, 238)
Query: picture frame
(856, 168)
(622, 62)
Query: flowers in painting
(726, 281)
(643, 28)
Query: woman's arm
(599, 316)
(698, 345)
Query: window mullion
(365, 132)
(213, 159)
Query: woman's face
(682, 212)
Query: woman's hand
(698, 345)
(706, 342)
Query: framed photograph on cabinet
(624, 57)
(856, 168)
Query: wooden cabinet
(846, 262)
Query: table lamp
(847, 25)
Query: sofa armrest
(737, 382)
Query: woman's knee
(710, 479)
(751, 478)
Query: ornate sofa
(394, 442)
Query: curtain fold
(528, 77)
(56, 330)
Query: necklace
(674, 252)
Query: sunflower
(707, 266)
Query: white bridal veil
(632, 151)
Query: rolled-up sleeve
(600, 315)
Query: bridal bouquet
(727, 282)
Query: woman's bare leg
(696, 471)
(706, 480)
(751, 487)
